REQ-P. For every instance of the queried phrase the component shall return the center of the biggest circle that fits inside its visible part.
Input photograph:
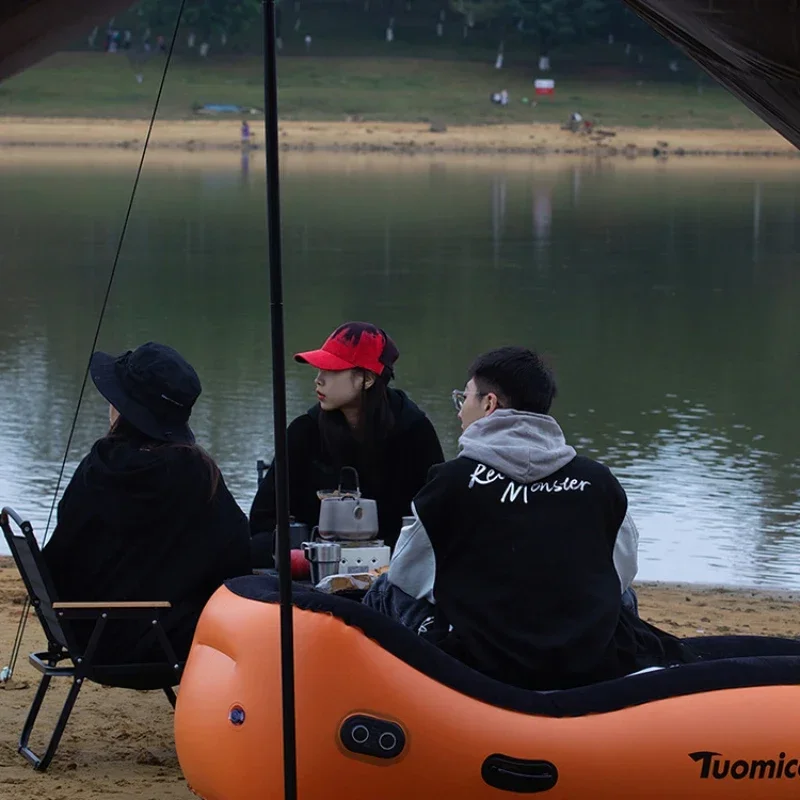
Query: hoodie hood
(523, 446)
(138, 490)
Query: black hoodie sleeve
(436, 505)
(262, 512)
(63, 553)
(426, 452)
(617, 507)
(299, 444)
(230, 524)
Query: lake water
(665, 294)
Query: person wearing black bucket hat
(358, 421)
(153, 387)
(147, 514)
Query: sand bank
(359, 136)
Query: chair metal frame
(56, 619)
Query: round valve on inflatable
(371, 736)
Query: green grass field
(400, 89)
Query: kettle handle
(355, 474)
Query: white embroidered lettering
(490, 477)
(567, 485)
(483, 476)
(479, 470)
(512, 492)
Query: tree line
(546, 25)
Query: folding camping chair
(56, 620)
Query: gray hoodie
(525, 447)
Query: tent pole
(279, 398)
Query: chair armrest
(119, 604)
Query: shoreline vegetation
(408, 106)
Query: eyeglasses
(459, 398)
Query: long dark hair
(342, 445)
(124, 431)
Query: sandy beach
(408, 138)
(119, 743)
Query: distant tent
(749, 46)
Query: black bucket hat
(153, 387)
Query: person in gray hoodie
(523, 549)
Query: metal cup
(325, 559)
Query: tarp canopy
(750, 46)
(31, 30)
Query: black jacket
(139, 524)
(407, 454)
(526, 577)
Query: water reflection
(756, 219)
(665, 296)
(543, 215)
(499, 191)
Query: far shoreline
(406, 138)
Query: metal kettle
(345, 515)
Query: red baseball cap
(353, 345)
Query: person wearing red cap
(360, 422)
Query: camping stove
(363, 556)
